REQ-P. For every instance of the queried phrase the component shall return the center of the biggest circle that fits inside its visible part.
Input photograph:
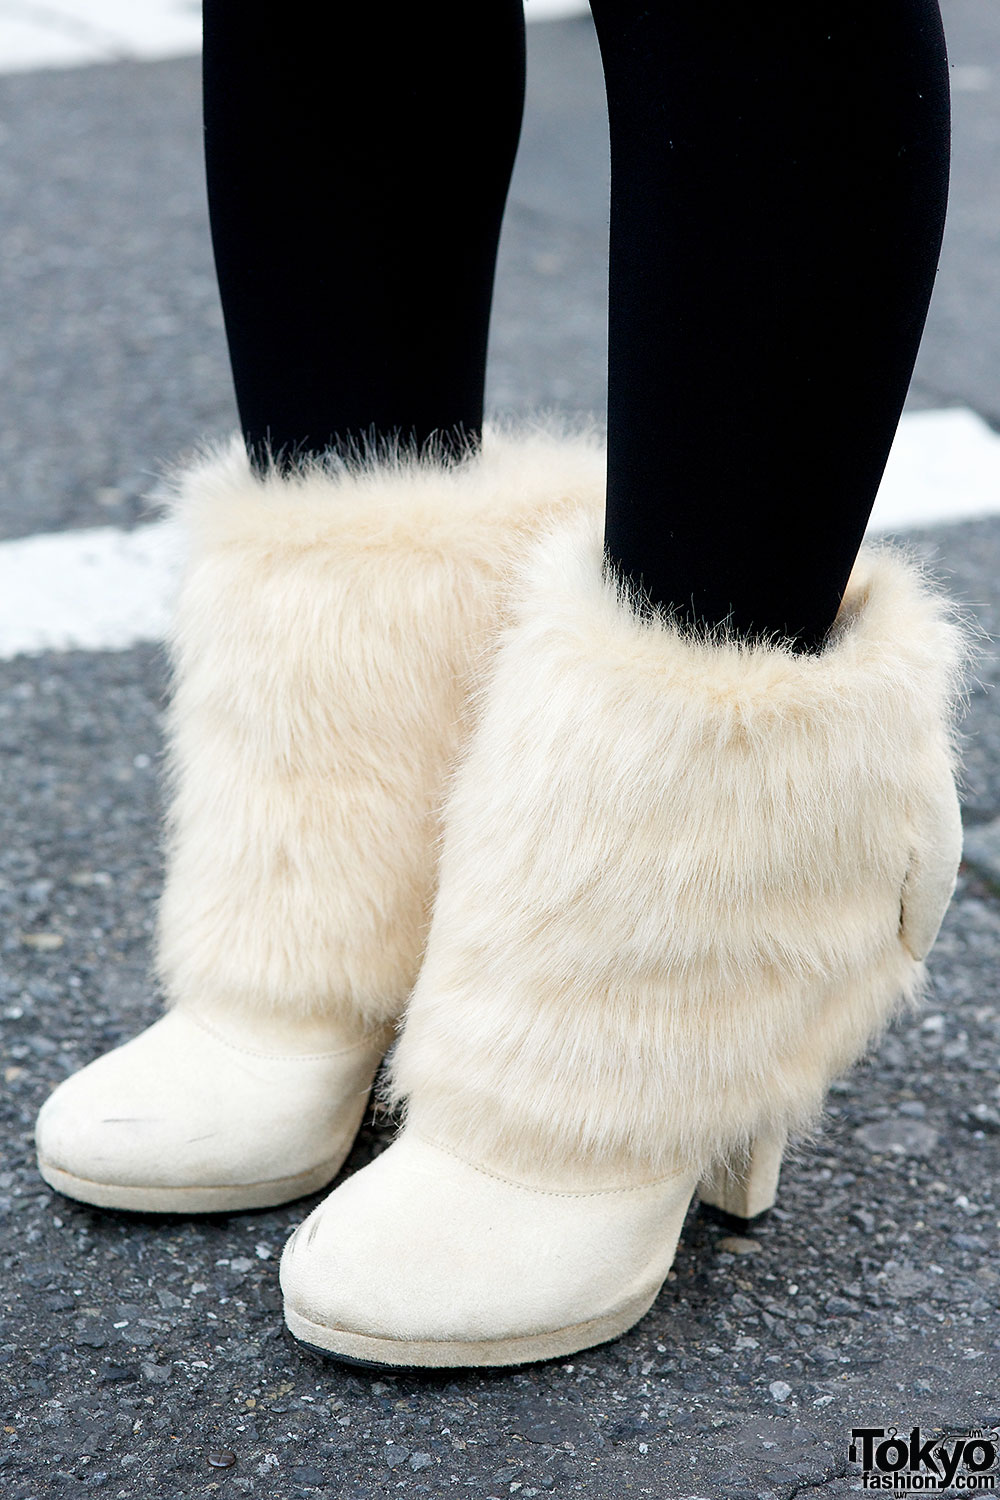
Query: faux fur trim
(322, 652)
(670, 890)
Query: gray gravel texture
(133, 1349)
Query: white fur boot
(325, 639)
(684, 882)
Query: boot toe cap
(101, 1124)
(180, 1120)
(423, 1259)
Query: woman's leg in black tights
(358, 163)
(779, 178)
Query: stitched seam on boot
(526, 1187)
(366, 1041)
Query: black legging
(779, 177)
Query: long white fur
(671, 880)
(324, 641)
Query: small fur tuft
(326, 632)
(672, 874)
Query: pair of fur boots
(624, 899)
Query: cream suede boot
(326, 637)
(684, 882)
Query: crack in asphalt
(812, 1488)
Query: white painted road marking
(944, 466)
(72, 33)
(68, 33)
(107, 590)
(554, 10)
(95, 590)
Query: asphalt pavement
(143, 1357)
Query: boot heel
(739, 1196)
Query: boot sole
(423, 1354)
(189, 1200)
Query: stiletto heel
(737, 1195)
